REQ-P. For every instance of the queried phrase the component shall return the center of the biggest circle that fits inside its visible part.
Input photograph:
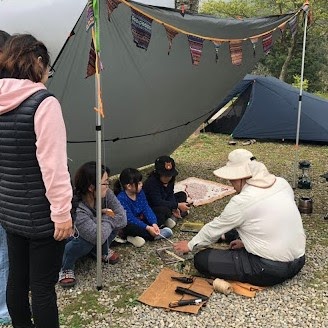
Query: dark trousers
(242, 266)
(163, 213)
(33, 265)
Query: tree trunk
(289, 57)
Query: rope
(202, 36)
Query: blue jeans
(78, 247)
(4, 268)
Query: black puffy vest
(24, 208)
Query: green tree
(285, 59)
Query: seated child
(159, 189)
(142, 222)
(84, 204)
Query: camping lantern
(304, 181)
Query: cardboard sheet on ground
(202, 191)
(162, 291)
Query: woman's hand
(63, 230)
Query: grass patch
(82, 310)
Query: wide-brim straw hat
(243, 165)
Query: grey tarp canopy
(267, 108)
(153, 101)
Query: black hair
(4, 36)
(84, 177)
(127, 176)
(19, 58)
(157, 176)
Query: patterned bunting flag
(267, 43)
(170, 35)
(111, 6)
(196, 48)
(254, 42)
(217, 45)
(91, 68)
(236, 52)
(293, 25)
(141, 29)
(90, 15)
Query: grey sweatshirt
(86, 219)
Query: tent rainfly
(164, 71)
(264, 107)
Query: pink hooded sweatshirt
(50, 143)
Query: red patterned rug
(201, 191)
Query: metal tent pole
(98, 194)
(98, 153)
(306, 9)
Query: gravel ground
(300, 302)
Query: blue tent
(266, 108)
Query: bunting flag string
(111, 6)
(196, 48)
(267, 43)
(170, 35)
(141, 29)
(136, 9)
(236, 52)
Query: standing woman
(35, 189)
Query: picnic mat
(203, 191)
(162, 291)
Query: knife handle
(194, 301)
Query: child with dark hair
(84, 208)
(142, 221)
(159, 189)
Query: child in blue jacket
(142, 223)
